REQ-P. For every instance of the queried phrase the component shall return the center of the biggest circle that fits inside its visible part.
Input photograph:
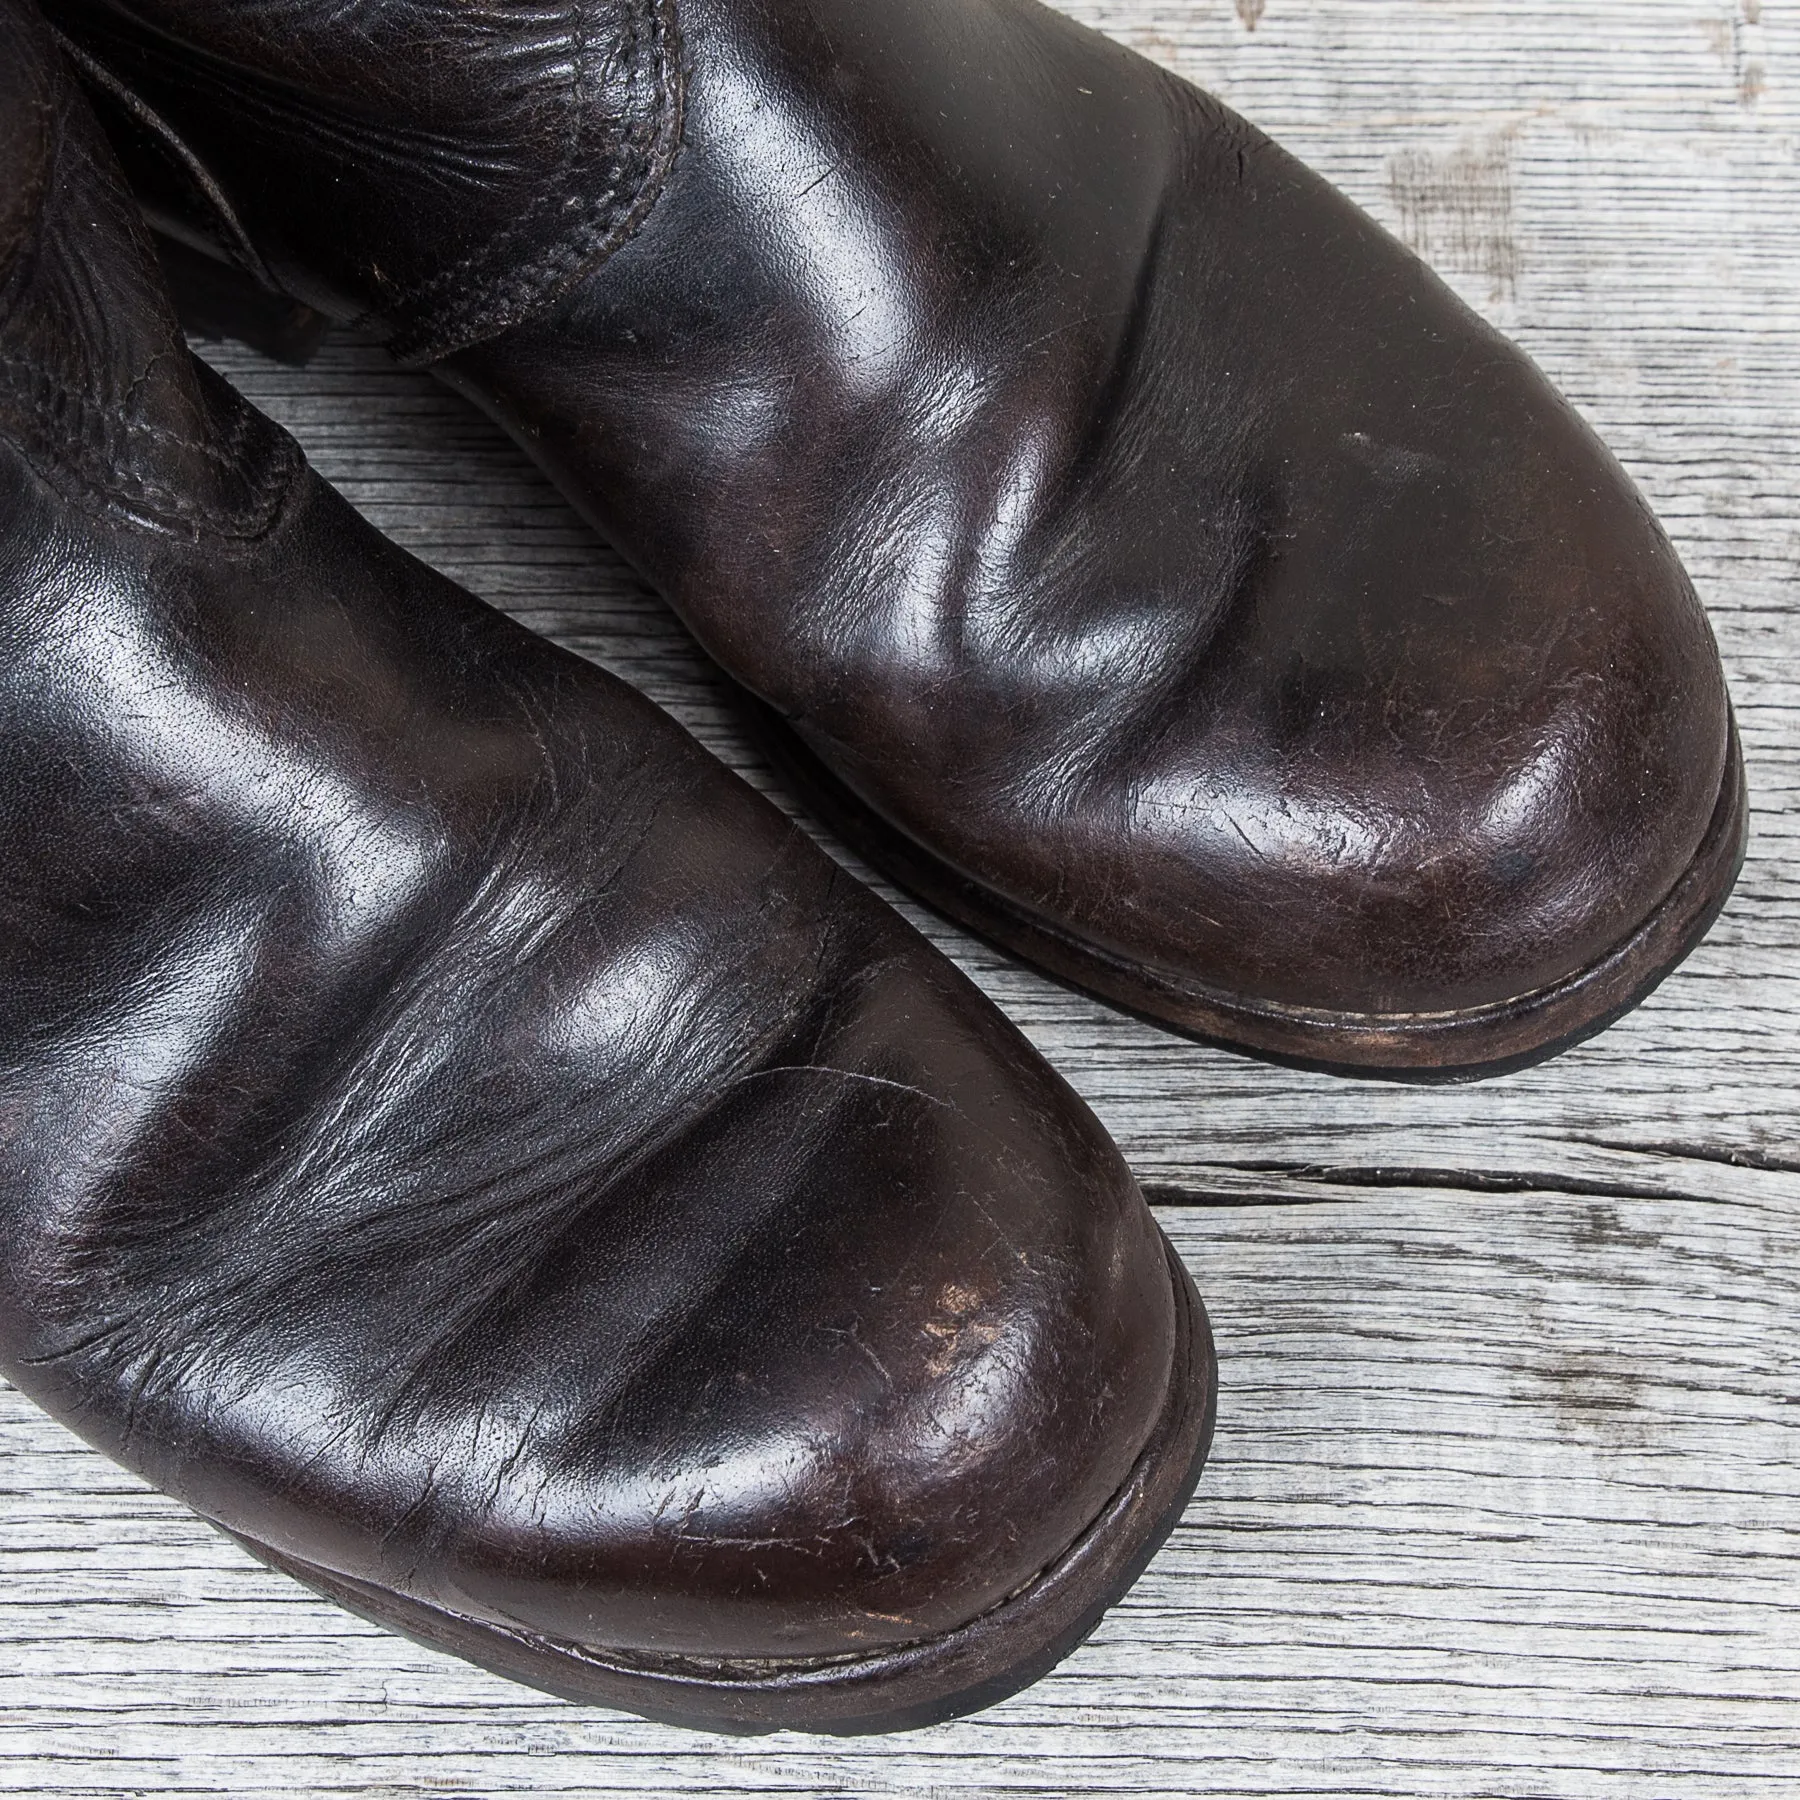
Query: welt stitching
(129, 485)
(105, 480)
(582, 56)
(41, 390)
(66, 434)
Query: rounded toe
(1439, 722)
(891, 1328)
(1471, 736)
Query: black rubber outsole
(1418, 1048)
(900, 1689)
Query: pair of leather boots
(468, 1146)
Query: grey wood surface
(1506, 1493)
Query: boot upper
(452, 1131)
(1114, 509)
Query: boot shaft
(98, 392)
(487, 156)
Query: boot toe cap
(877, 1421)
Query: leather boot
(462, 1142)
(1131, 548)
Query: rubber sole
(1471, 1045)
(900, 1689)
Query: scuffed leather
(1108, 503)
(453, 1132)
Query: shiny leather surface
(451, 1130)
(1102, 498)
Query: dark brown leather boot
(462, 1142)
(1136, 551)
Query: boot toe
(1460, 725)
(860, 1424)
(1441, 783)
(1382, 692)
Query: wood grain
(1506, 1498)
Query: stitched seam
(467, 317)
(581, 58)
(425, 333)
(71, 438)
(76, 439)
(106, 477)
(40, 389)
(492, 287)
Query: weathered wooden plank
(1506, 1498)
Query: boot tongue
(97, 387)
